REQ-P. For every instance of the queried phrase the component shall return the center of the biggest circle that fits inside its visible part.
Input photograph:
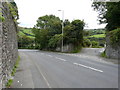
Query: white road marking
(50, 55)
(43, 76)
(61, 59)
(76, 63)
(88, 67)
(42, 53)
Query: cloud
(29, 11)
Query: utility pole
(62, 27)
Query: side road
(95, 53)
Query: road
(42, 69)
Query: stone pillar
(112, 52)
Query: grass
(10, 81)
(103, 54)
(27, 31)
(15, 67)
(76, 50)
(97, 47)
(98, 36)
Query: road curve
(56, 70)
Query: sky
(30, 10)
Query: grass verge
(15, 67)
(103, 54)
(10, 81)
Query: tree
(55, 41)
(25, 42)
(47, 26)
(109, 13)
(48, 32)
(41, 38)
(50, 23)
(66, 22)
(78, 30)
(69, 36)
(73, 33)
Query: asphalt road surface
(42, 69)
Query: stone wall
(8, 45)
(66, 48)
(112, 52)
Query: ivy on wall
(13, 9)
(1, 17)
(114, 37)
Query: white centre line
(88, 67)
(61, 59)
(50, 55)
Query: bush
(2, 18)
(114, 36)
(103, 54)
(76, 49)
(95, 44)
(55, 41)
(25, 42)
(86, 42)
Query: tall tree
(47, 26)
(73, 33)
(78, 30)
(50, 23)
(109, 13)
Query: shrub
(77, 49)
(114, 37)
(55, 41)
(95, 44)
(2, 18)
(103, 54)
(86, 42)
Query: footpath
(23, 76)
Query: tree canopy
(49, 28)
(109, 13)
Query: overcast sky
(30, 10)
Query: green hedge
(114, 37)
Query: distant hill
(94, 29)
(97, 35)
(26, 31)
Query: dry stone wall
(8, 45)
(112, 52)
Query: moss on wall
(114, 37)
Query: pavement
(42, 69)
